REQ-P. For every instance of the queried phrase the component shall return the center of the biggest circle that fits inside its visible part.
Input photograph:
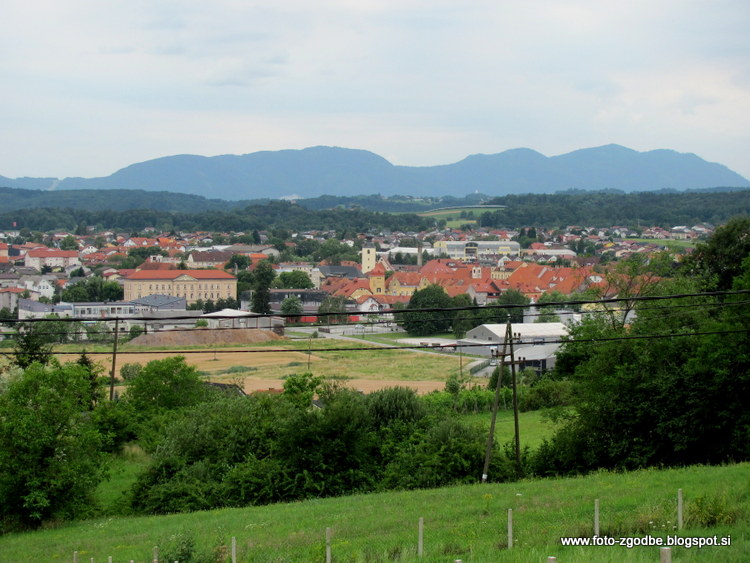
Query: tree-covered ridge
(607, 208)
(602, 209)
(274, 214)
(120, 200)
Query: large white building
(475, 250)
(536, 343)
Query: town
(159, 274)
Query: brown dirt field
(202, 337)
(203, 360)
(214, 362)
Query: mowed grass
(533, 426)
(466, 522)
(672, 244)
(124, 468)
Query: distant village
(188, 268)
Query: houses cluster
(191, 267)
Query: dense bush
(51, 454)
(237, 451)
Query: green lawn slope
(463, 522)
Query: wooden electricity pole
(495, 402)
(515, 405)
(114, 361)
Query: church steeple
(369, 257)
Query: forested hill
(600, 209)
(317, 171)
(115, 200)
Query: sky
(89, 86)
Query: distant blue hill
(337, 171)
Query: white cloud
(92, 86)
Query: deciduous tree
(50, 451)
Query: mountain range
(317, 171)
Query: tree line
(607, 208)
(362, 214)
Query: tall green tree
(69, 243)
(674, 396)
(333, 309)
(92, 289)
(422, 323)
(719, 260)
(50, 451)
(32, 344)
(497, 312)
(291, 306)
(165, 385)
(263, 278)
(293, 280)
(238, 262)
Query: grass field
(669, 243)
(533, 426)
(267, 363)
(452, 215)
(464, 522)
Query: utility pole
(114, 361)
(496, 401)
(515, 405)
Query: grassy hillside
(465, 522)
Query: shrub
(545, 394)
(129, 372)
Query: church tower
(369, 257)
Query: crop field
(264, 365)
(669, 243)
(467, 522)
(452, 215)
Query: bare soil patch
(204, 337)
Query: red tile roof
(172, 274)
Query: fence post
(510, 528)
(551, 559)
(75, 557)
(156, 554)
(596, 517)
(420, 538)
(234, 549)
(679, 509)
(665, 555)
(328, 545)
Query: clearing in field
(257, 361)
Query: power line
(249, 316)
(500, 311)
(382, 348)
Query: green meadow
(466, 522)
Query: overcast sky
(91, 86)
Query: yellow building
(190, 284)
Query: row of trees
(211, 448)
(602, 208)
(278, 214)
(671, 386)
(438, 314)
